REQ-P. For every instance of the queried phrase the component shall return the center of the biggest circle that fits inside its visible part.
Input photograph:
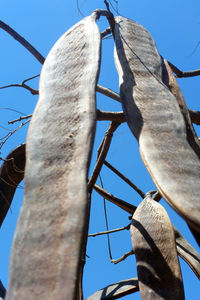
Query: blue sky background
(175, 26)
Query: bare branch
(110, 231)
(106, 32)
(128, 181)
(111, 116)
(104, 150)
(195, 116)
(12, 132)
(20, 119)
(116, 261)
(22, 41)
(108, 92)
(181, 74)
(129, 208)
(23, 85)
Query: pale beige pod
(154, 244)
(50, 236)
(155, 119)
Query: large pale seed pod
(155, 119)
(154, 245)
(50, 236)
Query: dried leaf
(153, 240)
(116, 290)
(155, 119)
(52, 228)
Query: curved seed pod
(187, 252)
(155, 119)
(50, 237)
(154, 245)
(11, 174)
(116, 290)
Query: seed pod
(11, 174)
(154, 245)
(50, 237)
(187, 253)
(155, 119)
(116, 290)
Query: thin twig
(111, 116)
(108, 92)
(195, 116)
(128, 181)
(129, 208)
(116, 261)
(181, 74)
(23, 85)
(20, 119)
(22, 41)
(11, 133)
(109, 231)
(106, 145)
(106, 32)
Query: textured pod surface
(50, 235)
(154, 244)
(155, 119)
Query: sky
(175, 27)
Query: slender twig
(195, 116)
(11, 133)
(129, 208)
(111, 116)
(23, 85)
(106, 145)
(22, 41)
(128, 181)
(20, 119)
(108, 92)
(116, 261)
(109, 231)
(180, 74)
(106, 32)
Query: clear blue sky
(175, 26)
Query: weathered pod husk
(11, 174)
(154, 244)
(49, 242)
(116, 290)
(187, 253)
(155, 119)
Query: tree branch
(108, 92)
(104, 150)
(109, 231)
(111, 116)
(129, 182)
(181, 74)
(22, 41)
(129, 208)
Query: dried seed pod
(11, 174)
(116, 290)
(187, 253)
(155, 119)
(154, 245)
(50, 236)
